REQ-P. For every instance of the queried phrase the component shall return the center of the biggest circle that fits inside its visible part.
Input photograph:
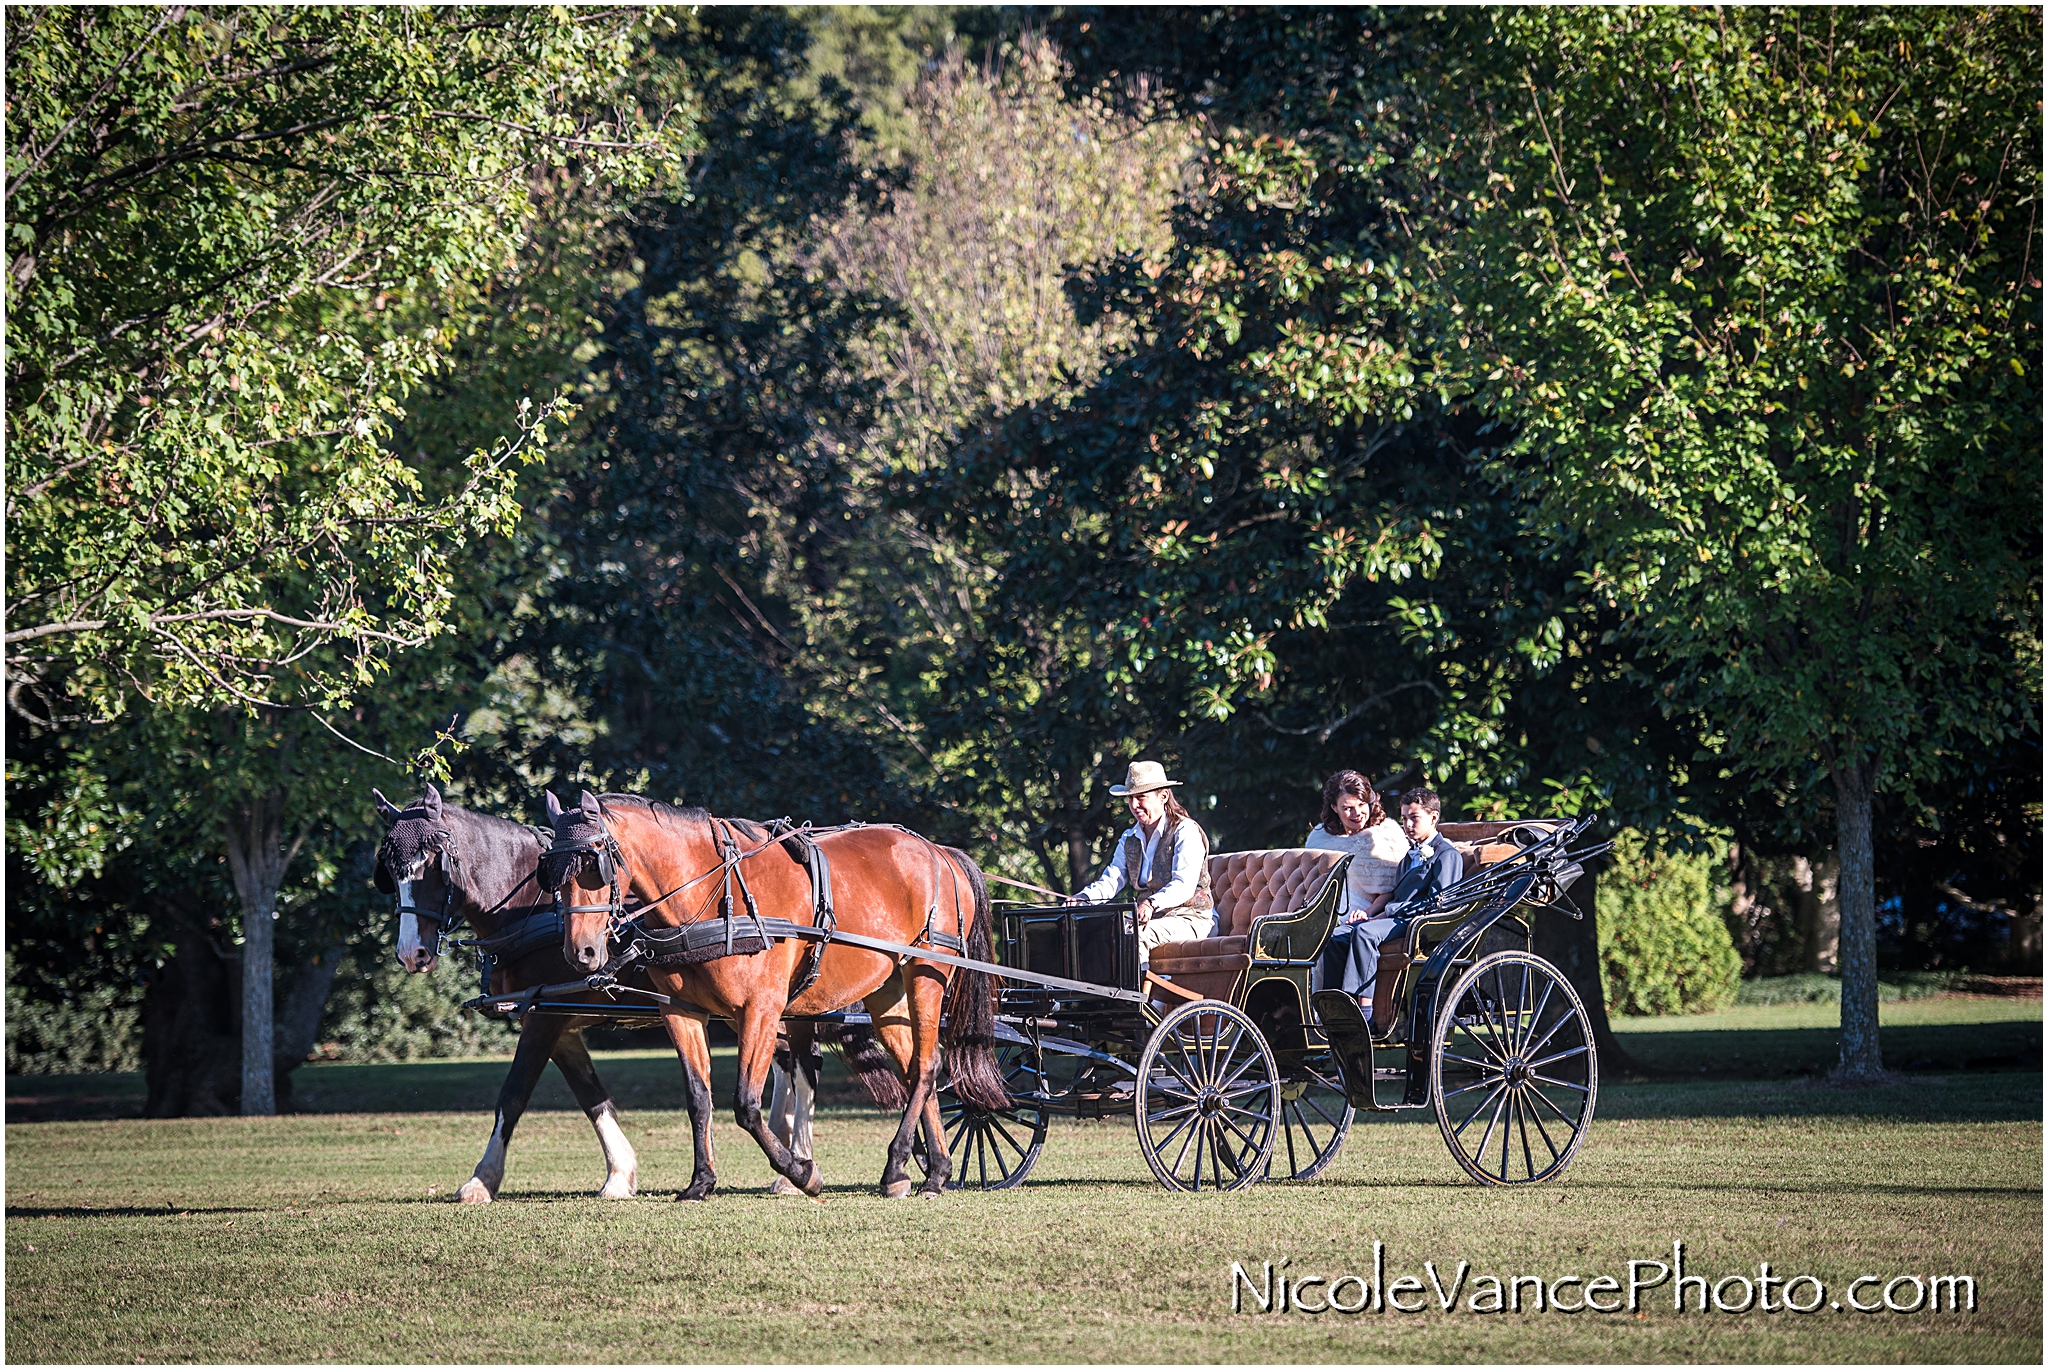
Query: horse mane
(667, 815)
(486, 821)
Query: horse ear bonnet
(406, 842)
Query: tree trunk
(257, 858)
(1573, 946)
(190, 1039)
(1820, 910)
(1070, 786)
(1861, 1057)
(298, 1018)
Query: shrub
(98, 1029)
(1827, 989)
(1663, 945)
(379, 1011)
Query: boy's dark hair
(1426, 797)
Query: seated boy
(1351, 958)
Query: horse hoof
(896, 1189)
(620, 1187)
(475, 1192)
(694, 1195)
(928, 1193)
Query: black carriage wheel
(991, 1149)
(1208, 1094)
(1315, 1118)
(1513, 1072)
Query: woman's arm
(1104, 886)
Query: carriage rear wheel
(1315, 1118)
(1208, 1096)
(1513, 1072)
(991, 1148)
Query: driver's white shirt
(1188, 854)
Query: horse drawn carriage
(1233, 1066)
(1235, 1070)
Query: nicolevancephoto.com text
(1453, 1287)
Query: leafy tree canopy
(233, 238)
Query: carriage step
(1350, 1042)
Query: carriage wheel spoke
(1491, 1123)
(1492, 1065)
(1305, 1100)
(1194, 1131)
(1522, 1126)
(1507, 1134)
(1245, 1137)
(1494, 1080)
(1522, 1007)
(1542, 1131)
(1536, 1014)
(1537, 1045)
(1561, 1084)
(1560, 1056)
(1481, 1108)
(1562, 1116)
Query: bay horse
(445, 863)
(887, 883)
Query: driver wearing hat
(1163, 859)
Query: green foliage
(1663, 946)
(234, 236)
(1827, 989)
(379, 1011)
(99, 1029)
(1777, 356)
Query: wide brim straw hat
(1143, 778)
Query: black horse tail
(969, 1035)
(868, 1062)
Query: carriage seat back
(1480, 845)
(1253, 884)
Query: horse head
(417, 863)
(583, 855)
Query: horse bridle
(442, 854)
(611, 863)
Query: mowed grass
(331, 1237)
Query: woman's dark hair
(1356, 785)
(1174, 808)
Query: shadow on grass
(1970, 1071)
(1766, 1053)
(132, 1211)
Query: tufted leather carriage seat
(1247, 885)
(1256, 884)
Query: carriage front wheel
(1513, 1072)
(992, 1149)
(1208, 1095)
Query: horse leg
(693, 1049)
(757, 1053)
(925, 992)
(622, 1167)
(795, 1098)
(537, 1038)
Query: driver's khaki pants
(1173, 927)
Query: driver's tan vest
(1162, 869)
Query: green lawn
(329, 1236)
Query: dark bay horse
(687, 867)
(444, 863)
